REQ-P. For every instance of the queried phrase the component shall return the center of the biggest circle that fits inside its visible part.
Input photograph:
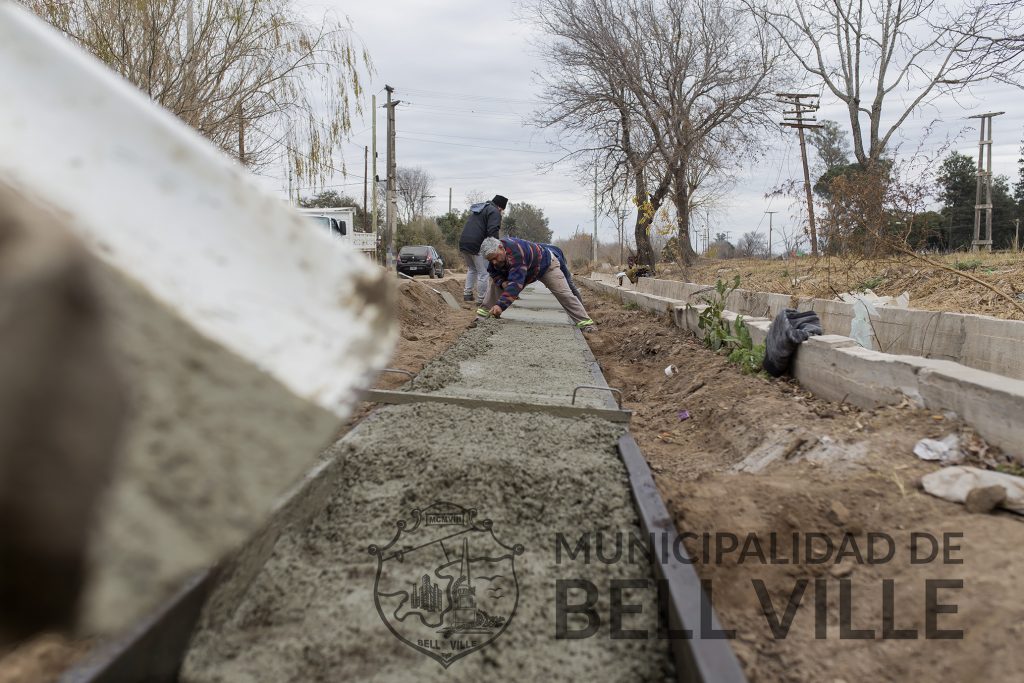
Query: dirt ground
(837, 470)
(428, 327)
(930, 287)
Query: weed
(871, 283)
(719, 335)
(631, 306)
(967, 264)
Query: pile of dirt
(753, 456)
(930, 287)
(428, 326)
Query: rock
(984, 499)
(838, 514)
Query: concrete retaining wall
(977, 341)
(836, 368)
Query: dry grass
(930, 288)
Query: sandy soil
(821, 467)
(930, 288)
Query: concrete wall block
(993, 404)
(758, 329)
(994, 345)
(777, 303)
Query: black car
(420, 260)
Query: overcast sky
(465, 72)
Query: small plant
(631, 306)
(719, 335)
(745, 353)
(716, 328)
(871, 283)
(967, 264)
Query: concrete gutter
(978, 341)
(836, 368)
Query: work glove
(789, 329)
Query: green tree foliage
(329, 199)
(426, 231)
(832, 145)
(957, 180)
(451, 225)
(1018, 187)
(527, 222)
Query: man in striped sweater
(515, 263)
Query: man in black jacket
(484, 221)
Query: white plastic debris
(860, 327)
(945, 451)
(671, 370)
(955, 484)
(901, 301)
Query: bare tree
(413, 192)
(646, 85)
(886, 58)
(752, 244)
(251, 75)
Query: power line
(497, 149)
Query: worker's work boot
(467, 296)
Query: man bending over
(515, 263)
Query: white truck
(340, 222)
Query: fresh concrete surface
(310, 613)
(532, 353)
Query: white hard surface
(151, 196)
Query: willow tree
(648, 89)
(253, 76)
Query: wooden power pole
(984, 182)
(366, 180)
(391, 207)
(373, 198)
(797, 118)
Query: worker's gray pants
(556, 283)
(476, 274)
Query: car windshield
(321, 221)
(415, 251)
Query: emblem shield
(445, 585)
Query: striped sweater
(525, 262)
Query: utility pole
(771, 214)
(373, 199)
(984, 182)
(594, 256)
(796, 118)
(1016, 234)
(449, 200)
(366, 179)
(392, 199)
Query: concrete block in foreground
(243, 334)
(994, 405)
